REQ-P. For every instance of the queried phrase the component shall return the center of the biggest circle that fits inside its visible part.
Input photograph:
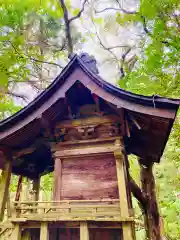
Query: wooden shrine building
(82, 128)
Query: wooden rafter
(128, 133)
(134, 121)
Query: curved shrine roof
(154, 113)
(146, 101)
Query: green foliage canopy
(158, 65)
(31, 35)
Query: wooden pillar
(25, 190)
(57, 179)
(152, 218)
(16, 233)
(84, 232)
(162, 230)
(4, 186)
(123, 201)
(19, 188)
(44, 234)
(36, 187)
(8, 204)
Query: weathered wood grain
(89, 178)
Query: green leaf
(98, 20)
(3, 79)
(75, 11)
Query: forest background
(137, 47)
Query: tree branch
(45, 62)
(123, 58)
(68, 21)
(124, 10)
(119, 9)
(79, 13)
(131, 62)
(146, 30)
(33, 59)
(116, 9)
(138, 194)
(17, 95)
(145, 26)
(109, 49)
(67, 26)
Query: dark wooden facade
(83, 129)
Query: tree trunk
(152, 219)
(67, 27)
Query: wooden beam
(75, 201)
(4, 186)
(25, 151)
(16, 233)
(44, 234)
(88, 121)
(85, 151)
(84, 232)
(124, 211)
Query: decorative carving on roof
(90, 132)
(90, 62)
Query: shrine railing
(74, 210)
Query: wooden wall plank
(90, 177)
